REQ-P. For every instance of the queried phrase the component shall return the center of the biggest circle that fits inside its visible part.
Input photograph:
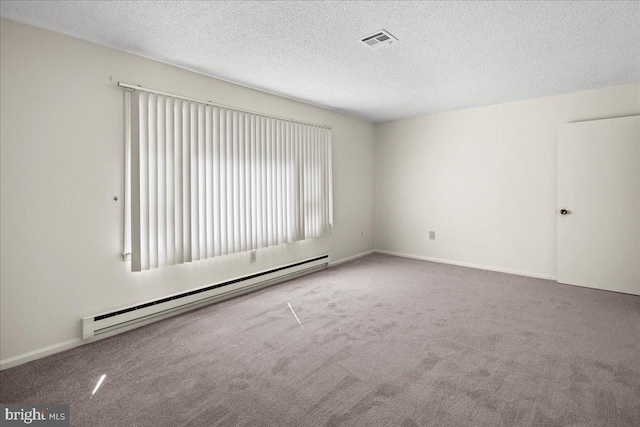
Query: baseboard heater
(137, 315)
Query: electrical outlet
(361, 233)
(252, 256)
(432, 235)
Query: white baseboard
(351, 258)
(10, 362)
(467, 264)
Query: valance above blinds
(209, 181)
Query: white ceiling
(450, 55)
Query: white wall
(62, 163)
(484, 179)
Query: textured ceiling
(450, 55)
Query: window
(209, 181)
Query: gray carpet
(386, 342)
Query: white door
(599, 204)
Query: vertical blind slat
(152, 194)
(241, 188)
(177, 189)
(193, 160)
(324, 185)
(210, 181)
(258, 181)
(314, 170)
(144, 182)
(264, 187)
(287, 180)
(216, 181)
(300, 182)
(136, 137)
(236, 184)
(229, 182)
(186, 181)
(161, 181)
(247, 181)
(280, 182)
(269, 195)
(305, 180)
(169, 183)
(223, 182)
(202, 186)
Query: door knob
(563, 211)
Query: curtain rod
(186, 98)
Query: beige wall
(62, 163)
(484, 179)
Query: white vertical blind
(208, 181)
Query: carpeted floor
(386, 342)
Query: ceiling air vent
(379, 38)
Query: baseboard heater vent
(137, 315)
